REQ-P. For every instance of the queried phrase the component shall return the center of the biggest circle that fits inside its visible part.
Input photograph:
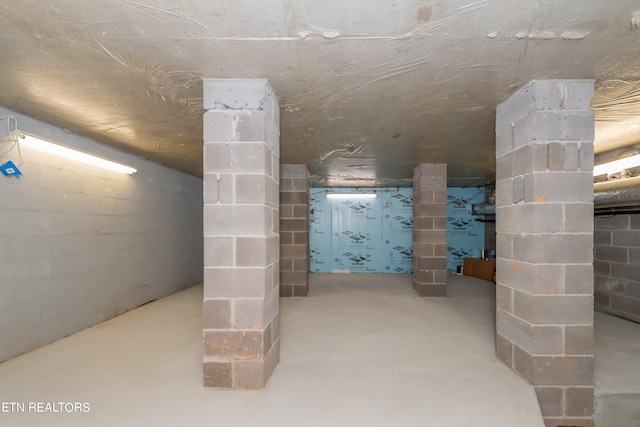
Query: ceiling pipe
(620, 193)
(484, 208)
(610, 196)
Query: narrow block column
(294, 230)
(544, 199)
(241, 236)
(430, 230)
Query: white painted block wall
(79, 246)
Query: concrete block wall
(79, 245)
(430, 229)
(295, 191)
(241, 233)
(617, 265)
(544, 199)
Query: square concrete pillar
(544, 200)
(295, 189)
(430, 230)
(241, 233)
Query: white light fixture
(617, 165)
(352, 195)
(72, 154)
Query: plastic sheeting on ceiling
(367, 89)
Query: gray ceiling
(368, 88)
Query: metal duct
(610, 195)
(484, 208)
(623, 193)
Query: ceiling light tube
(352, 195)
(617, 165)
(72, 154)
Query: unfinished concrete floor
(617, 372)
(361, 350)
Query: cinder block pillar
(430, 230)
(544, 198)
(294, 230)
(241, 237)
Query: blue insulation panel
(362, 235)
(356, 227)
(376, 235)
(397, 231)
(465, 235)
(320, 232)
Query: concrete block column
(241, 233)
(544, 199)
(295, 189)
(430, 230)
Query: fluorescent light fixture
(351, 195)
(617, 165)
(72, 154)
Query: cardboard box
(480, 268)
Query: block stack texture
(430, 230)
(544, 223)
(241, 233)
(295, 191)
